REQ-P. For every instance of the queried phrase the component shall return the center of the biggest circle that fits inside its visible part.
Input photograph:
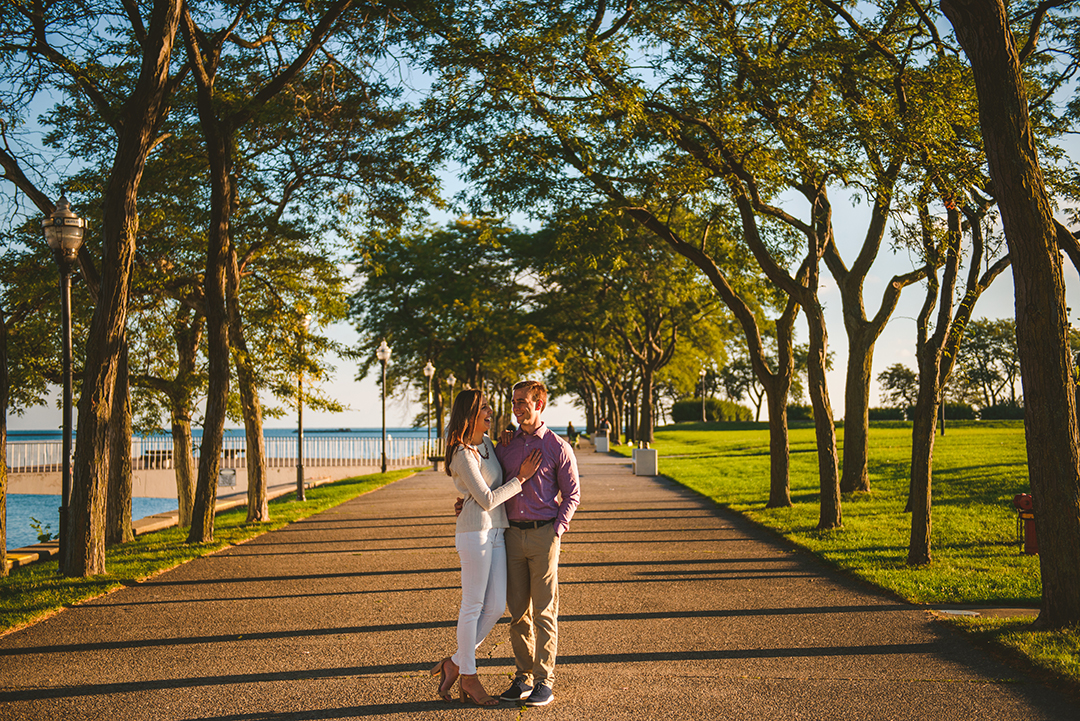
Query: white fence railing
(281, 452)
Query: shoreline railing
(320, 451)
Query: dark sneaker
(517, 691)
(540, 696)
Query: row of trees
(214, 147)
(586, 301)
(702, 122)
(986, 373)
(718, 125)
(720, 131)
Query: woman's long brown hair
(462, 417)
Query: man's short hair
(534, 390)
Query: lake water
(21, 508)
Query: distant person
(538, 517)
(479, 537)
(571, 434)
(605, 427)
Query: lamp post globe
(64, 232)
(383, 354)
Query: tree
(900, 386)
(644, 295)
(166, 365)
(225, 105)
(937, 344)
(987, 363)
(891, 100)
(132, 103)
(1053, 442)
(724, 121)
(287, 264)
(455, 296)
(738, 380)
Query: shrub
(959, 412)
(887, 414)
(800, 413)
(1008, 411)
(716, 410)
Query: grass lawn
(33, 592)
(978, 468)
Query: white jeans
(483, 591)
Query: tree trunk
(183, 462)
(218, 140)
(217, 341)
(588, 401)
(187, 329)
(258, 506)
(776, 387)
(922, 456)
(85, 544)
(829, 513)
(118, 500)
(217, 337)
(776, 394)
(1041, 316)
(614, 412)
(143, 112)
(646, 424)
(854, 478)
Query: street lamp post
(305, 322)
(703, 394)
(429, 371)
(383, 354)
(64, 233)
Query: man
(538, 516)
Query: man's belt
(531, 524)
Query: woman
(471, 462)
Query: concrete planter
(645, 462)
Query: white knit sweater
(481, 481)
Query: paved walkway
(671, 609)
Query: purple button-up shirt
(554, 491)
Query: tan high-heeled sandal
(481, 698)
(441, 669)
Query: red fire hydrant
(1025, 522)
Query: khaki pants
(532, 597)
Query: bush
(959, 412)
(887, 414)
(800, 413)
(1007, 411)
(716, 410)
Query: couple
(507, 537)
